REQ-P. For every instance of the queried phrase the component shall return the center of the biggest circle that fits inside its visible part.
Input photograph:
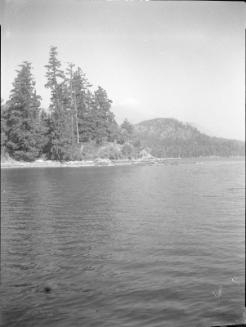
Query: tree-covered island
(80, 125)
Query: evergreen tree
(72, 103)
(78, 86)
(104, 118)
(54, 74)
(127, 126)
(61, 119)
(87, 121)
(126, 131)
(81, 102)
(22, 117)
(47, 128)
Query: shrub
(110, 151)
(128, 151)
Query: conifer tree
(55, 77)
(61, 136)
(81, 99)
(103, 116)
(126, 131)
(87, 121)
(22, 117)
(77, 84)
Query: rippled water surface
(123, 246)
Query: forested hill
(167, 137)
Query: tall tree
(22, 117)
(104, 118)
(77, 84)
(86, 115)
(61, 135)
(81, 99)
(55, 77)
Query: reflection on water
(123, 246)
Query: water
(123, 246)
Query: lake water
(158, 245)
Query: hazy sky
(155, 59)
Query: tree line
(76, 115)
(79, 123)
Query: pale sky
(183, 60)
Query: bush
(89, 150)
(110, 151)
(128, 151)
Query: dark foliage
(21, 125)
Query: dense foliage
(21, 126)
(77, 114)
(79, 123)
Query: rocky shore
(84, 163)
(8, 164)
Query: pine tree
(81, 100)
(126, 131)
(54, 74)
(104, 118)
(61, 119)
(22, 117)
(77, 84)
(87, 121)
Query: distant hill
(168, 137)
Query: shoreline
(83, 163)
(10, 164)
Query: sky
(171, 59)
